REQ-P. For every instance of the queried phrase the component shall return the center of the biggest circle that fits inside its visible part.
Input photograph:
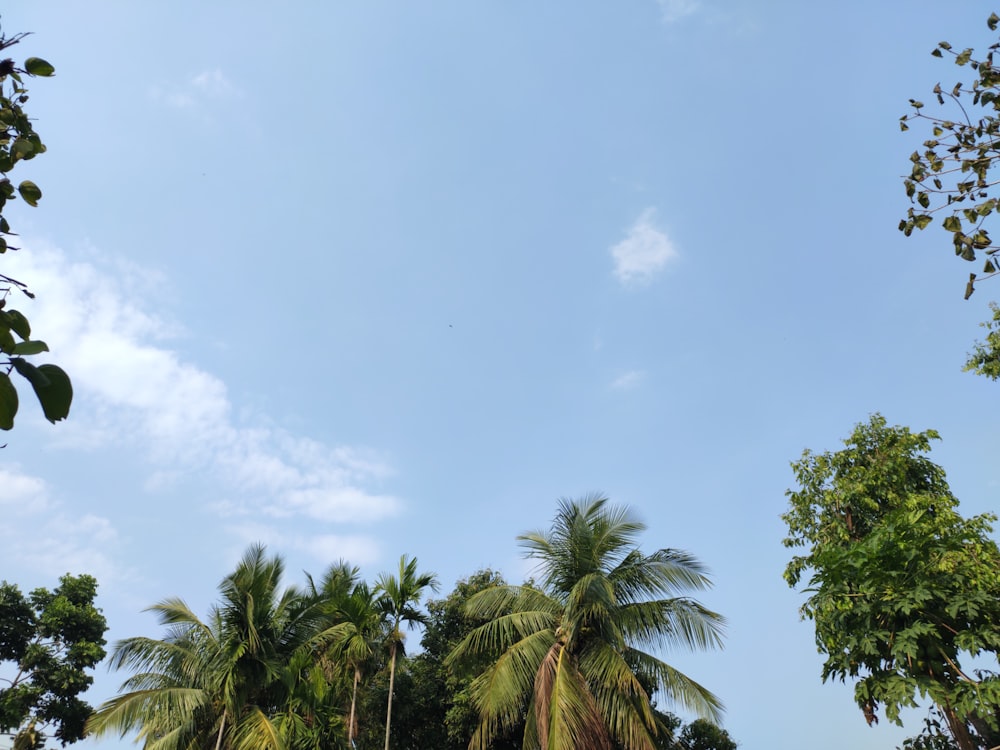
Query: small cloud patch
(628, 380)
(645, 251)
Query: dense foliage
(19, 142)
(902, 589)
(48, 642)
(985, 358)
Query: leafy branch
(19, 142)
(954, 171)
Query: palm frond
(255, 731)
(667, 623)
(622, 700)
(566, 714)
(501, 692)
(675, 686)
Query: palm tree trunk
(222, 725)
(354, 700)
(392, 679)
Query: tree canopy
(902, 589)
(48, 642)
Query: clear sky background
(363, 279)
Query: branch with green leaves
(19, 142)
(953, 174)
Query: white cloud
(48, 540)
(22, 493)
(674, 10)
(644, 252)
(140, 393)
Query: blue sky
(358, 280)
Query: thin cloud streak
(209, 85)
(672, 11)
(628, 380)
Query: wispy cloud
(675, 10)
(644, 252)
(47, 538)
(138, 392)
(358, 548)
(209, 85)
(213, 84)
(628, 380)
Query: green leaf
(922, 221)
(7, 342)
(952, 223)
(944, 45)
(964, 56)
(56, 394)
(8, 402)
(22, 148)
(30, 192)
(937, 53)
(27, 348)
(17, 322)
(989, 267)
(36, 66)
(29, 372)
(992, 21)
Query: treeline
(564, 661)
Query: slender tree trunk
(354, 700)
(959, 731)
(392, 679)
(222, 725)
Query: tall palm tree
(399, 596)
(355, 639)
(574, 653)
(222, 683)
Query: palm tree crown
(574, 653)
(400, 596)
(228, 682)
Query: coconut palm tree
(399, 596)
(227, 682)
(572, 655)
